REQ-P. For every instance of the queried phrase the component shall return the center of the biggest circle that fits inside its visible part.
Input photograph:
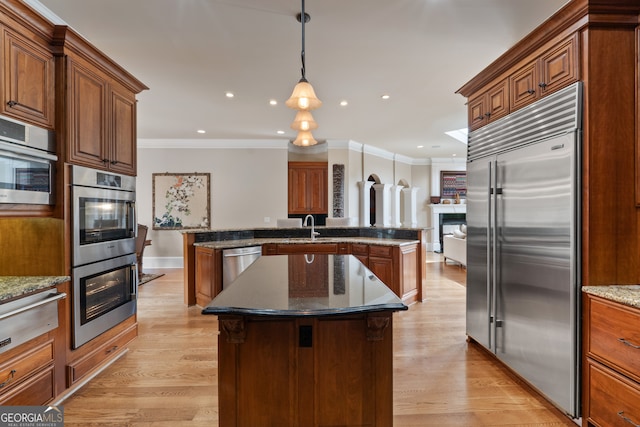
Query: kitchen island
(305, 339)
(396, 255)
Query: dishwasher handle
(52, 298)
(230, 255)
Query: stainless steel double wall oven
(105, 279)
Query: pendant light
(303, 96)
(305, 139)
(304, 121)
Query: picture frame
(181, 201)
(452, 182)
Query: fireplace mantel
(436, 210)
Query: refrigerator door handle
(493, 293)
(488, 249)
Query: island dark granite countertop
(12, 287)
(305, 285)
(624, 294)
(240, 243)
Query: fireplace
(447, 223)
(444, 219)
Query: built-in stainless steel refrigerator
(523, 225)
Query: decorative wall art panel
(181, 201)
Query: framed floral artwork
(181, 201)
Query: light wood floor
(168, 378)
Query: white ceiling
(190, 52)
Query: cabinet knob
(114, 162)
(105, 161)
(479, 118)
(12, 103)
(542, 85)
(487, 115)
(532, 91)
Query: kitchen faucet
(314, 233)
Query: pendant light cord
(303, 18)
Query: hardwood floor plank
(169, 375)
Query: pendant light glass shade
(304, 139)
(303, 97)
(304, 121)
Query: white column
(395, 205)
(365, 205)
(410, 210)
(382, 205)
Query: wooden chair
(141, 243)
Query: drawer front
(613, 399)
(24, 364)
(359, 249)
(380, 251)
(35, 391)
(614, 335)
(309, 248)
(82, 367)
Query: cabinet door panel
(477, 112)
(523, 86)
(87, 118)
(123, 136)
(29, 80)
(558, 67)
(498, 100)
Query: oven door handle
(134, 281)
(133, 218)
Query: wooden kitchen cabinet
(306, 371)
(308, 188)
(554, 69)
(100, 350)
(99, 106)
(102, 121)
(27, 373)
(612, 370)
(489, 106)
(208, 274)
(29, 79)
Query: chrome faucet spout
(313, 226)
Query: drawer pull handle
(112, 349)
(628, 420)
(9, 378)
(630, 344)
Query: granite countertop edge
(624, 294)
(12, 287)
(241, 243)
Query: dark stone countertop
(305, 286)
(241, 243)
(12, 287)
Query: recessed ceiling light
(229, 95)
(280, 132)
(420, 146)
(454, 154)
(385, 96)
(201, 131)
(273, 102)
(344, 103)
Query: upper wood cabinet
(548, 72)
(101, 120)
(28, 89)
(99, 106)
(308, 192)
(550, 68)
(489, 105)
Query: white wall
(249, 182)
(247, 185)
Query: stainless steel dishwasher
(235, 261)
